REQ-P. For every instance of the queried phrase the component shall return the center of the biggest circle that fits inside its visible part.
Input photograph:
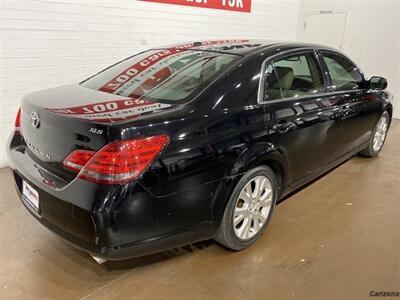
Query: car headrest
(286, 76)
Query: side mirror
(377, 83)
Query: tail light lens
(76, 160)
(18, 120)
(116, 163)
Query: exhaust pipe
(99, 260)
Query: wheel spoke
(266, 203)
(248, 190)
(246, 228)
(267, 195)
(261, 217)
(256, 223)
(240, 211)
(381, 124)
(375, 145)
(256, 191)
(262, 186)
(245, 197)
(238, 219)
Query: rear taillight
(76, 160)
(18, 120)
(116, 163)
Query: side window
(299, 75)
(344, 75)
(272, 89)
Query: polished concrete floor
(337, 238)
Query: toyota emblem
(35, 121)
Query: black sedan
(190, 142)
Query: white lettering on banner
(107, 112)
(121, 114)
(198, 1)
(233, 5)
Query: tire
(378, 136)
(252, 214)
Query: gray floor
(338, 238)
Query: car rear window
(166, 75)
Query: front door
(358, 107)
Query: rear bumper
(56, 215)
(114, 222)
(79, 230)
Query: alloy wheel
(380, 133)
(252, 207)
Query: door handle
(345, 110)
(284, 127)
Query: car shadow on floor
(284, 198)
(157, 257)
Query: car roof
(242, 47)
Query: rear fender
(260, 154)
(257, 155)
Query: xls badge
(35, 121)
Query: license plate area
(30, 195)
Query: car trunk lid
(57, 121)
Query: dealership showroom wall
(334, 238)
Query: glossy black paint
(215, 138)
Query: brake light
(77, 159)
(118, 162)
(18, 120)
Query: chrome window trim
(261, 88)
(316, 95)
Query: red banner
(235, 5)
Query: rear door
(299, 114)
(359, 110)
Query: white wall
(371, 36)
(45, 43)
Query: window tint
(344, 74)
(168, 75)
(297, 75)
